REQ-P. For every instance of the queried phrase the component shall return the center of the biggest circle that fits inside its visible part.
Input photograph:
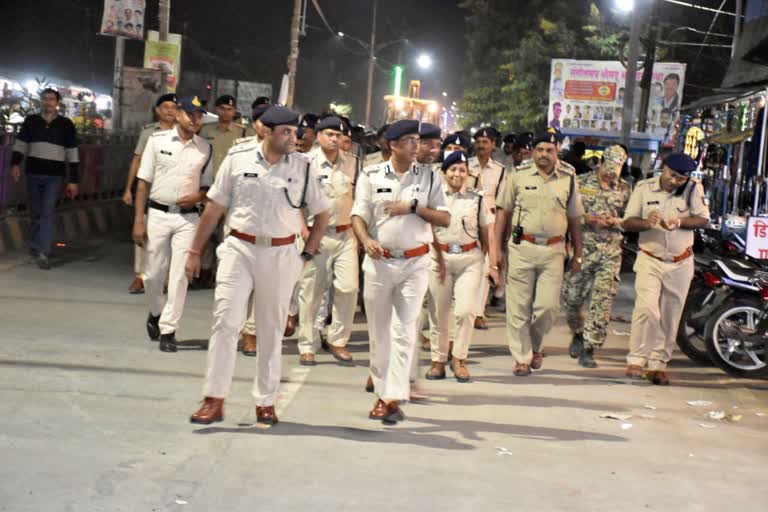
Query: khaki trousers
(271, 274)
(534, 279)
(660, 292)
(336, 263)
(393, 293)
(169, 236)
(464, 273)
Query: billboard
(164, 55)
(124, 18)
(587, 97)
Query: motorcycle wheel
(731, 354)
(690, 338)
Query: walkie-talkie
(517, 232)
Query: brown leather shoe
(212, 410)
(658, 377)
(480, 323)
(378, 411)
(537, 361)
(340, 353)
(266, 415)
(137, 286)
(426, 345)
(290, 325)
(307, 359)
(436, 372)
(522, 370)
(634, 371)
(369, 385)
(393, 413)
(460, 370)
(249, 345)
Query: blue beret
(510, 138)
(309, 120)
(454, 158)
(259, 111)
(429, 131)
(401, 128)
(489, 132)
(680, 163)
(458, 139)
(261, 100)
(524, 140)
(190, 105)
(331, 123)
(226, 99)
(278, 115)
(549, 137)
(166, 97)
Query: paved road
(96, 420)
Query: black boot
(577, 344)
(168, 342)
(585, 358)
(153, 327)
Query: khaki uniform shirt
(222, 141)
(175, 168)
(541, 204)
(146, 132)
(488, 178)
(379, 184)
(467, 209)
(338, 183)
(263, 199)
(649, 196)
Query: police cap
(459, 139)
(510, 138)
(549, 137)
(524, 140)
(278, 115)
(454, 158)
(261, 100)
(330, 123)
(401, 128)
(226, 99)
(191, 104)
(309, 120)
(489, 132)
(166, 97)
(429, 131)
(680, 163)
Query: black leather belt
(172, 209)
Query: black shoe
(43, 263)
(577, 344)
(585, 358)
(168, 342)
(494, 303)
(153, 327)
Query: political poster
(123, 18)
(164, 55)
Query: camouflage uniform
(601, 262)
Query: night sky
(249, 40)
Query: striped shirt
(48, 147)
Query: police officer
(522, 148)
(336, 264)
(507, 148)
(262, 185)
(175, 171)
(543, 203)
(221, 136)
(604, 196)
(396, 205)
(457, 141)
(664, 210)
(429, 144)
(165, 110)
(384, 152)
(486, 174)
(458, 267)
(307, 133)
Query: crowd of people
(287, 218)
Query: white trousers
(138, 257)
(271, 274)
(336, 264)
(169, 236)
(393, 292)
(462, 282)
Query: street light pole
(293, 58)
(117, 84)
(371, 59)
(164, 27)
(628, 114)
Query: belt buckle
(174, 208)
(454, 249)
(397, 253)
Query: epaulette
(646, 182)
(149, 125)
(525, 165)
(162, 133)
(302, 157)
(372, 169)
(241, 148)
(241, 140)
(565, 167)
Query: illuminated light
(424, 61)
(341, 34)
(399, 103)
(61, 245)
(445, 94)
(625, 5)
(31, 85)
(432, 108)
(710, 279)
(398, 80)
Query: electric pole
(650, 59)
(164, 21)
(628, 110)
(293, 57)
(371, 62)
(117, 84)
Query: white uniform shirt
(263, 199)
(379, 184)
(464, 207)
(486, 178)
(338, 184)
(175, 168)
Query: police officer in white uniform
(396, 205)
(263, 185)
(176, 169)
(336, 264)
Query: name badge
(380, 190)
(531, 188)
(649, 203)
(250, 175)
(323, 176)
(164, 152)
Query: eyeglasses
(411, 141)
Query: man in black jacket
(48, 142)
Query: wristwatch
(307, 256)
(414, 204)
